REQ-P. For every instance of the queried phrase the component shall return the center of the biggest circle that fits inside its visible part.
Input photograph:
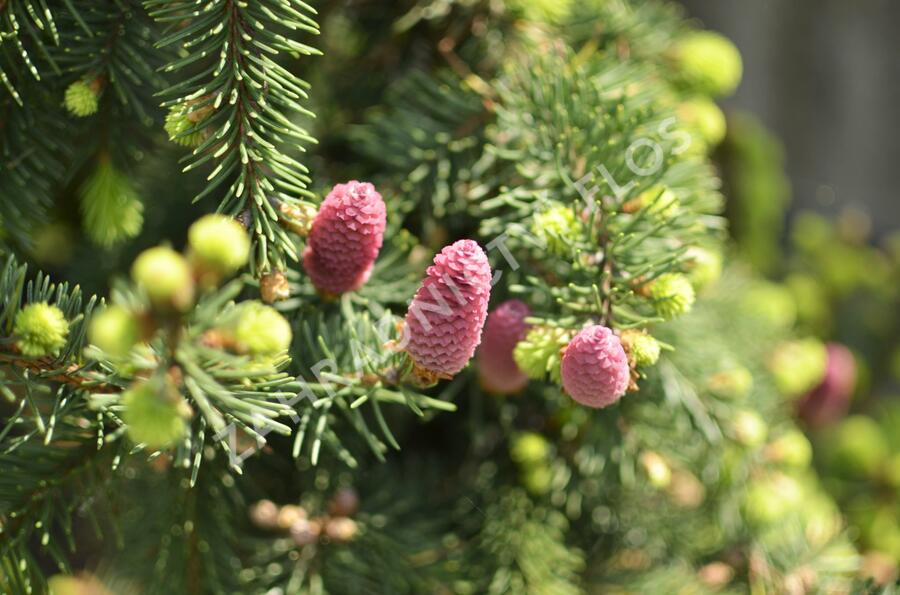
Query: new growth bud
(557, 226)
(708, 63)
(40, 330)
(539, 353)
(154, 414)
(219, 246)
(166, 278)
(115, 331)
(82, 98)
(261, 330)
(642, 349)
(672, 295)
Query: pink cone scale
(504, 328)
(595, 368)
(345, 238)
(444, 321)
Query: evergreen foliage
(549, 132)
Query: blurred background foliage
(834, 282)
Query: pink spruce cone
(595, 368)
(830, 401)
(444, 320)
(345, 238)
(504, 328)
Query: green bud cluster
(261, 330)
(529, 448)
(798, 366)
(658, 471)
(154, 414)
(81, 99)
(704, 266)
(770, 302)
(557, 226)
(858, 448)
(704, 120)
(749, 429)
(40, 329)
(531, 453)
(791, 449)
(642, 349)
(115, 331)
(219, 246)
(735, 383)
(165, 276)
(708, 63)
(771, 498)
(539, 353)
(542, 11)
(672, 295)
(184, 126)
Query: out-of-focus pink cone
(830, 401)
(504, 328)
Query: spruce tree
(392, 297)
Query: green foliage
(21, 22)
(229, 64)
(549, 132)
(522, 550)
(109, 48)
(111, 208)
(427, 140)
(34, 153)
(51, 447)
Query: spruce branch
(51, 468)
(520, 547)
(190, 536)
(45, 369)
(27, 29)
(231, 67)
(116, 59)
(33, 155)
(17, 291)
(429, 139)
(558, 145)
